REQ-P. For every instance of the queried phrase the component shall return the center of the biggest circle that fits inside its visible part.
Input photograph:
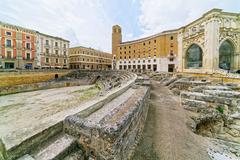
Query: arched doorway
(226, 55)
(194, 56)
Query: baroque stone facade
(217, 34)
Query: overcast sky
(89, 22)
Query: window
(56, 44)
(9, 43)
(171, 44)
(171, 37)
(171, 59)
(64, 46)
(27, 37)
(9, 54)
(56, 60)
(47, 60)
(144, 44)
(194, 57)
(28, 56)
(28, 45)
(226, 55)
(155, 41)
(64, 53)
(8, 33)
(47, 50)
(56, 51)
(149, 67)
(47, 42)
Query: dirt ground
(25, 114)
(166, 136)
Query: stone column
(210, 51)
(180, 64)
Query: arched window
(226, 52)
(194, 56)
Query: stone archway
(194, 56)
(226, 55)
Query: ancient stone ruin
(108, 127)
(214, 108)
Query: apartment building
(89, 58)
(23, 48)
(18, 47)
(52, 52)
(153, 53)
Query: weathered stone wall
(108, 79)
(124, 79)
(114, 136)
(39, 86)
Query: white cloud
(159, 15)
(83, 22)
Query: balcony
(171, 55)
(56, 47)
(47, 45)
(9, 58)
(9, 46)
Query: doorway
(171, 67)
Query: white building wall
(161, 63)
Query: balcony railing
(47, 45)
(172, 55)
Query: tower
(116, 40)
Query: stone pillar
(180, 64)
(210, 51)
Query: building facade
(23, 48)
(52, 52)
(90, 59)
(18, 47)
(154, 53)
(206, 45)
(210, 43)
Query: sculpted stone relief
(228, 34)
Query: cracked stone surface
(24, 114)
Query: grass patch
(26, 78)
(220, 109)
(88, 93)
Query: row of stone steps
(56, 147)
(111, 129)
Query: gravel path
(166, 136)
